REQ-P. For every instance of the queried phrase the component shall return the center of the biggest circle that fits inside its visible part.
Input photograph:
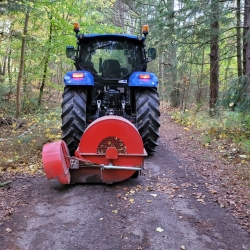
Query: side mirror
(70, 52)
(151, 54)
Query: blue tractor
(111, 78)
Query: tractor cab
(111, 57)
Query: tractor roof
(110, 36)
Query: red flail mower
(110, 150)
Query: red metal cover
(55, 161)
(112, 132)
(111, 126)
(111, 153)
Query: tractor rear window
(111, 59)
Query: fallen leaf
(115, 211)
(132, 191)
(4, 183)
(149, 201)
(201, 200)
(131, 201)
(159, 229)
(212, 191)
(243, 156)
(8, 230)
(154, 195)
(149, 189)
(183, 247)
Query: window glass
(111, 59)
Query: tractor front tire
(73, 116)
(147, 117)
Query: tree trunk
(45, 65)
(214, 56)
(43, 80)
(246, 47)
(9, 66)
(3, 67)
(199, 96)
(161, 84)
(20, 75)
(9, 58)
(175, 94)
(238, 31)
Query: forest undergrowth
(22, 140)
(232, 128)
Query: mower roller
(110, 150)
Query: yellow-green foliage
(228, 124)
(22, 142)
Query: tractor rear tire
(73, 116)
(147, 117)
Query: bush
(234, 96)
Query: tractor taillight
(78, 75)
(144, 76)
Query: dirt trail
(167, 208)
(128, 215)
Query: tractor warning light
(78, 75)
(144, 76)
(145, 29)
(76, 27)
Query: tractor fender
(79, 78)
(143, 79)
